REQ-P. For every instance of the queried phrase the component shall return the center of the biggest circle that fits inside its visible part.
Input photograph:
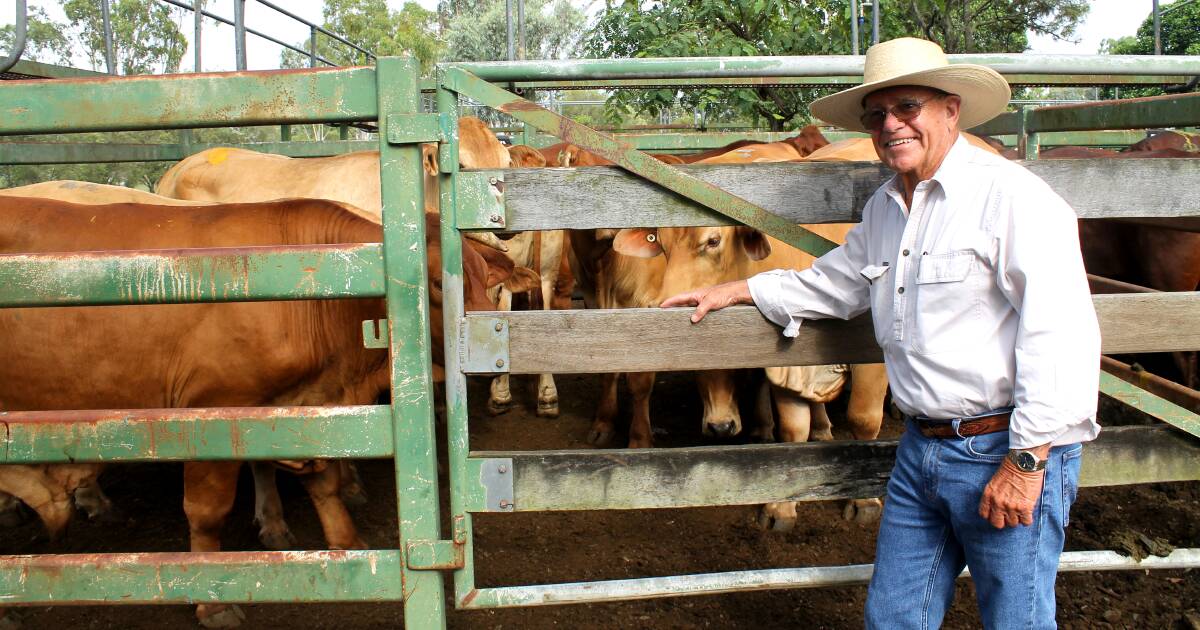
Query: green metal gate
(394, 270)
(486, 343)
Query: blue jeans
(931, 528)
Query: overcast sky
(1107, 19)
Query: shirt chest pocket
(881, 290)
(948, 302)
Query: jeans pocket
(989, 447)
(1070, 480)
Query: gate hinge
(413, 128)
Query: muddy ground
(519, 549)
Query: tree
(699, 28)
(477, 30)
(1179, 35)
(967, 26)
(45, 40)
(372, 25)
(146, 39)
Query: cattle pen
(774, 198)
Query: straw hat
(912, 61)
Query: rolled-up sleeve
(1057, 347)
(832, 288)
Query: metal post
(854, 27)
(312, 47)
(875, 21)
(110, 64)
(1157, 30)
(22, 17)
(402, 192)
(521, 30)
(239, 32)
(452, 313)
(508, 20)
(198, 14)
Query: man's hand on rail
(712, 298)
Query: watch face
(1027, 461)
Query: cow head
(698, 257)
(810, 139)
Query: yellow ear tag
(216, 156)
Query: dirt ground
(517, 549)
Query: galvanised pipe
(768, 579)
(198, 18)
(814, 66)
(19, 40)
(110, 62)
(239, 32)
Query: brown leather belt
(966, 428)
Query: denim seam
(933, 571)
(1037, 549)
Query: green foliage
(1179, 33)
(146, 40)
(701, 28)
(969, 26)
(45, 40)
(372, 25)
(477, 29)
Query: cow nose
(723, 429)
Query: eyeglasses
(906, 110)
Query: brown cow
(611, 280)
(808, 140)
(1177, 140)
(199, 355)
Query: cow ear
(754, 242)
(637, 242)
(429, 158)
(523, 279)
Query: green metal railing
(395, 269)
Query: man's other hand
(712, 298)
(1011, 496)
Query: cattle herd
(260, 354)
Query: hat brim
(983, 91)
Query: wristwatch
(1026, 461)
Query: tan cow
(522, 156)
(197, 355)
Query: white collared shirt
(978, 296)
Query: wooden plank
(633, 340)
(1148, 322)
(822, 192)
(817, 471)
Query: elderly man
(971, 268)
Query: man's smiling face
(914, 148)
